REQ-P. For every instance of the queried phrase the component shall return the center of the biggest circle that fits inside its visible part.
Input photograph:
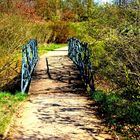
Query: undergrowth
(8, 106)
(120, 114)
(16, 31)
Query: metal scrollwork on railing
(29, 60)
(80, 55)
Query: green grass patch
(8, 106)
(120, 114)
(42, 49)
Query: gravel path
(57, 108)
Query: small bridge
(58, 108)
(78, 52)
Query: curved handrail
(29, 60)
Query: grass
(42, 49)
(120, 114)
(8, 106)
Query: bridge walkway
(57, 108)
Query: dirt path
(57, 108)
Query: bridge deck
(57, 108)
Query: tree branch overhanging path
(58, 108)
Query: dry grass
(15, 31)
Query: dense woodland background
(112, 32)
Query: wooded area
(112, 32)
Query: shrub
(13, 34)
(61, 31)
(120, 114)
(99, 97)
(15, 31)
(41, 32)
(114, 44)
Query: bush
(61, 31)
(41, 32)
(15, 31)
(13, 34)
(121, 115)
(114, 44)
(99, 97)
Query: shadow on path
(58, 108)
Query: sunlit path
(58, 108)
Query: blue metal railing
(29, 60)
(80, 55)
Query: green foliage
(123, 62)
(8, 106)
(98, 53)
(113, 36)
(99, 97)
(121, 115)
